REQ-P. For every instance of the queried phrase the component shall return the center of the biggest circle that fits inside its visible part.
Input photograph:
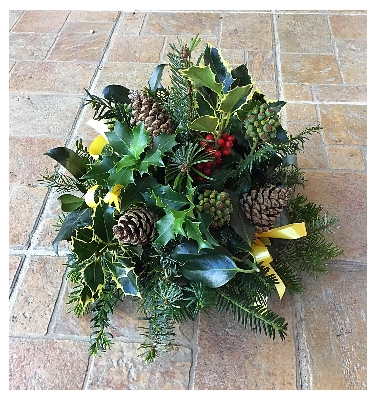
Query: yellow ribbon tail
(291, 231)
(89, 197)
(280, 286)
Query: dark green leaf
(193, 232)
(123, 275)
(120, 138)
(204, 107)
(139, 141)
(100, 170)
(165, 228)
(69, 160)
(117, 94)
(204, 124)
(93, 275)
(132, 193)
(206, 219)
(70, 202)
(74, 220)
(213, 58)
(103, 221)
(123, 177)
(233, 97)
(241, 76)
(85, 245)
(239, 222)
(170, 198)
(164, 142)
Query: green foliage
(190, 263)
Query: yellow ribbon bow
(262, 255)
(111, 197)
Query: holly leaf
(169, 197)
(165, 228)
(132, 194)
(100, 170)
(74, 220)
(139, 142)
(120, 138)
(84, 244)
(205, 123)
(94, 275)
(206, 219)
(233, 96)
(151, 158)
(202, 76)
(70, 202)
(127, 161)
(123, 177)
(193, 232)
(103, 221)
(164, 142)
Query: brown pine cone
(262, 207)
(136, 226)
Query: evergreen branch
(248, 313)
(60, 182)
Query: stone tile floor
(316, 61)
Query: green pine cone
(217, 204)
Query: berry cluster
(262, 122)
(217, 148)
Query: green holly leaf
(103, 221)
(139, 142)
(193, 232)
(132, 194)
(151, 158)
(101, 169)
(94, 275)
(203, 76)
(70, 202)
(123, 177)
(233, 96)
(168, 197)
(74, 220)
(165, 228)
(205, 123)
(164, 142)
(85, 244)
(126, 162)
(205, 219)
(120, 139)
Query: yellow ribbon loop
(96, 146)
(262, 255)
(111, 197)
(89, 197)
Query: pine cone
(155, 118)
(264, 206)
(136, 227)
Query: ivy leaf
(239, 222)
(205, 123)
(70, 202)
(212, 267)
(203, 76)
(94, 275)
(233, 96)
(74, 220)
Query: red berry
(208, 164)
(207, 171)
(217, 154)
(231, 138)
(209, 137)
(229, 144)
(218, 162)
(199, 166)
(203, 143)
(224, 136)
(221, 142)
(226, 151)
(209, 150)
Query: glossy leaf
(241, 76)
(239, 222)
(94, 275)
(218, 65)
(117, 94)
(156, 77)
(204, 124)
(165, 228)
(132, 194)
(193, 232)
(74, 220)
(70, 202)
(103, 221)
(233, 97)
(164, 142)
(123, 177)
(123, 275)
(203, 76)
(139, 140)
(84, 244)
(69, 160)
(120, 138)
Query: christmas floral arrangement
(186, 201)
